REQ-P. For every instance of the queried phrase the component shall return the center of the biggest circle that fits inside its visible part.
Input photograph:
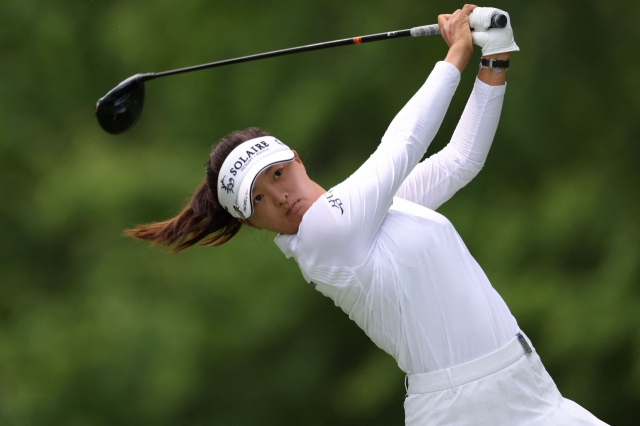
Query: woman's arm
(436, 179)
(360, 204)
(366, 195)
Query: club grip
(425, 30)
(497, 21)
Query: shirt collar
(286, 243)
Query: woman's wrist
(459, 55)
(490, 76)
(500, 56)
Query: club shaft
(425, 30)
(431, 29)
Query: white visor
(241, 169)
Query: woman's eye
(277, 174)
(257, 199)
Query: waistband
(474, 370)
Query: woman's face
(282, 194)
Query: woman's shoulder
(326, 234)
(325, 220)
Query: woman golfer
(375, 245)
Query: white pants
(521, 393)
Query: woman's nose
(278, 196)
(282, 198)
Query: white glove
(491, 40)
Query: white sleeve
(360, 203)
(437, 178)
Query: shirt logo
(227, 186)
(335, 202)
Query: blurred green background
(98, 329)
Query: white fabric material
(375, 245)
(401, 271)
(241, 168)
(522, 393)
(465, 373)
(492, 40)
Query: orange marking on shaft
(357, 40)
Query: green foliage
(98, 329)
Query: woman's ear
(298, 159)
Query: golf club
(120, 109)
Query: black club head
(120, 109)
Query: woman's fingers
(468, 8)
(442, 19)
(454, 26)
(442, 22)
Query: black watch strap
(494, 63)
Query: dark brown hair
(203, 219)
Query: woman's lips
(294, 207)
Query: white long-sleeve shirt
(375, 245)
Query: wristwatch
(495, 64)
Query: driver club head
(120, 109)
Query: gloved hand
(491, 40)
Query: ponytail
(203, 220)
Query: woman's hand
(457, 34)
